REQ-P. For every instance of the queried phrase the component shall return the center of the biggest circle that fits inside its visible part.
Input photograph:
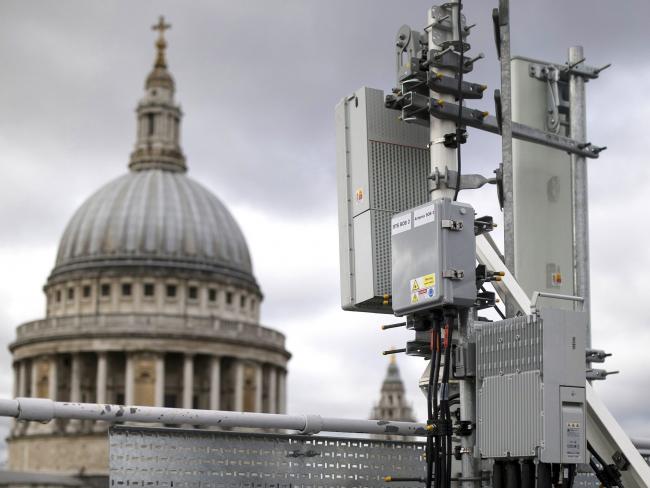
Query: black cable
(599, 474)
(430, 450)
(603, 474)
(436, 411)
(459, 132)
(449, 447)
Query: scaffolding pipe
(578, 124)
(44, 410)
(506, 145)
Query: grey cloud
(258, 82)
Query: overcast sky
(258, 82)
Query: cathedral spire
(392, 404)
(159, 117)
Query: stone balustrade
(154, 324)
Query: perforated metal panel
(398, 178)
(382, 169)
(196, 458)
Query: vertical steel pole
(506, 143)
(578, 116)
(441, 157)
(467, 392)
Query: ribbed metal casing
(154, 218)
(509, 365)
(530, 377)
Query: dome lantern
(159, 117)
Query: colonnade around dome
(163, 379)
(151, 294)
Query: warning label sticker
(423, 288)
(573, 439)
(424, 215)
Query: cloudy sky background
(258, 82)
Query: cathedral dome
(154, 218)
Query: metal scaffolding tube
(577, 103)
(506, 143)
(44, 410)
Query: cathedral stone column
(159, 393)
(52, 378)
(215, 383)
(100, 382)
(282, 392)
(100, 386)
(239, 386)
(188, 381)
(16, 371)
(34, 379)
(259, 380)
(74, 425)
(129, 380)
(273, 389)
(20, 427)
(22, 374)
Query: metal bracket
(408, 51)
(598, 374)
(448, 85)
(464, 361)
(448, 59)
(620, 460)
(557, 296)
(450, 179)
(481, 120)
(596, 355)
(451, 224)
(453, 274)
(551, 75)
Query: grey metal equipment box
(530, 379)
(433, 257)
(382, 168)
(543, 227)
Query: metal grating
(158, 457)
(398, 175)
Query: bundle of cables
(439, 447)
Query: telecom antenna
(508, 403)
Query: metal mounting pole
(578, 127)
(442, 157)
(506, 143)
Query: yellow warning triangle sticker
(415, 286)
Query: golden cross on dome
(161, 27)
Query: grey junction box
(382, 169)
(433, 257)
(530, 379)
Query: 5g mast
(507, 400)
